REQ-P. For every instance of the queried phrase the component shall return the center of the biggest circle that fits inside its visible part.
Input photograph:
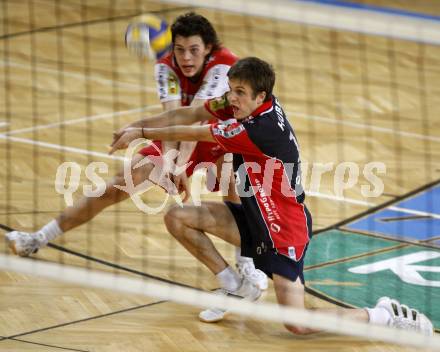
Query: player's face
(190, 53)
(242, 100)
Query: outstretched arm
(179, 133)
(185, 115)
(171, 133)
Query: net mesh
(359, 84)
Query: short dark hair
(190, 24)
(257, 73)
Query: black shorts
(268, 261)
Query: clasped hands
(122, 139)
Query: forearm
(181, 116)
(186, 149)
(168, 146)
(179, 133)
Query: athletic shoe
(246, 269)
(23, 243)
(247, 291)
(403, 317)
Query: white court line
(104, 81)
(115, 157)
(3, 124)
(415, 212)
(83, 119)
(293, 114)
(364, 126)
(340, 199)
(61, 147)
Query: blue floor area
(403, 225)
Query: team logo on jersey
(162, 80)
(292, 253)
(218, 103)
(173, 85)
(275, 227)
(228, 131)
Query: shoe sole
(260, 292)
(263, 288)
(214, 320)
(11, 245)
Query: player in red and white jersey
(272, 224)
(174, 83)
(189, 75)
(193, 72)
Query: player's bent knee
(177, 219)
(173, 220)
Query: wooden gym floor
(68, 81)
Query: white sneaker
(403, 317)
(24, 243)
(246, 269)
(247, 291)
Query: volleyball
(148, 36)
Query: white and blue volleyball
(148, 36)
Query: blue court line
(373, 8)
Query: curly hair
(190, 24)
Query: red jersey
(268, 174)
(173, 85)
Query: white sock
(239, 258)
(228, 279)
(379, 316)
(50, 231)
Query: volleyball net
(359, 85)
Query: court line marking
(297, 114)
(83, 119)
(116, 157)
(100, 316)
(414, 212)
(45, 345)
(104, 81)
(374, 8)
(293, 114)
(369, 204)
(61, 147)
(91, 22)
(328, 16)
(365, 126)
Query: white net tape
(260, 310)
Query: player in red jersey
(272, 223)
(189, 75)
(193, 72)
